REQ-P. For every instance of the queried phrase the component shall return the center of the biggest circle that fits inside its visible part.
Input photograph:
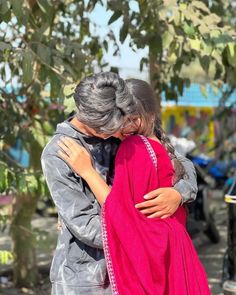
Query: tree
(44, 45)
(178, 33)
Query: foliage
(178, 33)
(6, 257)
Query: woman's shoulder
(131, 149)
(132, 145)
(131, 141)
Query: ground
(210, 254)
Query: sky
(128, 62)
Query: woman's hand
(161, 203)
(75, 156)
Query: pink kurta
(147, 256)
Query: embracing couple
(120, 190)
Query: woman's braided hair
(146, 108)
(164, 139)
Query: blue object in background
(192, 96)
(20, 155)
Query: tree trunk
(154, 74)
(25, 265)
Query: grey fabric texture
(187, 187)
(58, 288)
(78, 266)
(79, 258)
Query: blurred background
(185, 49)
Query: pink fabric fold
(147, 256)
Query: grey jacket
(78, 266)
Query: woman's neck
(153, 137)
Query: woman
(144, 256)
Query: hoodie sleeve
(187, 187)
(79, 212)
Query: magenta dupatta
(147, 256)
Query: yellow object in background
(192, 123)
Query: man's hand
(161, 203)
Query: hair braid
(162, 136)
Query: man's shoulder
(51, 148)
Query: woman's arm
(97, 185)
(80, 161)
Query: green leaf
(171, 94)
(7, 16)
(207, 49)
(177, 18)
(4, 7)
(172, 58)
(163, 13)
(44, 53)
(42, 31)
(55, 85)
(195, 19)
(6, 174)
(47, 9)
(48, 128)
(182, 6)
(39, 140)
(203, 29)
(170, 3)
(32, 183)
(200, 5)
(205, 63)
(27, 66)
(4, 46)
(211, 19)
(42, 5)
(167, 38)
(2, 178)
(117, 14)
(203, 90)
(69, 104)
(17, 6)
(189, 30)
(69, 89)
(231, 54)
(6, 257)
(144, 61)
(195, 44)
(22, 184)
(217, 56)
(105, 44)
(124, 32)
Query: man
(78, 265)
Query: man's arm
(187, 187)
(78, 211)
(163, 202)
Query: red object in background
(6, 200)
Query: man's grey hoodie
(78, 266)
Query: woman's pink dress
(147, 256)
